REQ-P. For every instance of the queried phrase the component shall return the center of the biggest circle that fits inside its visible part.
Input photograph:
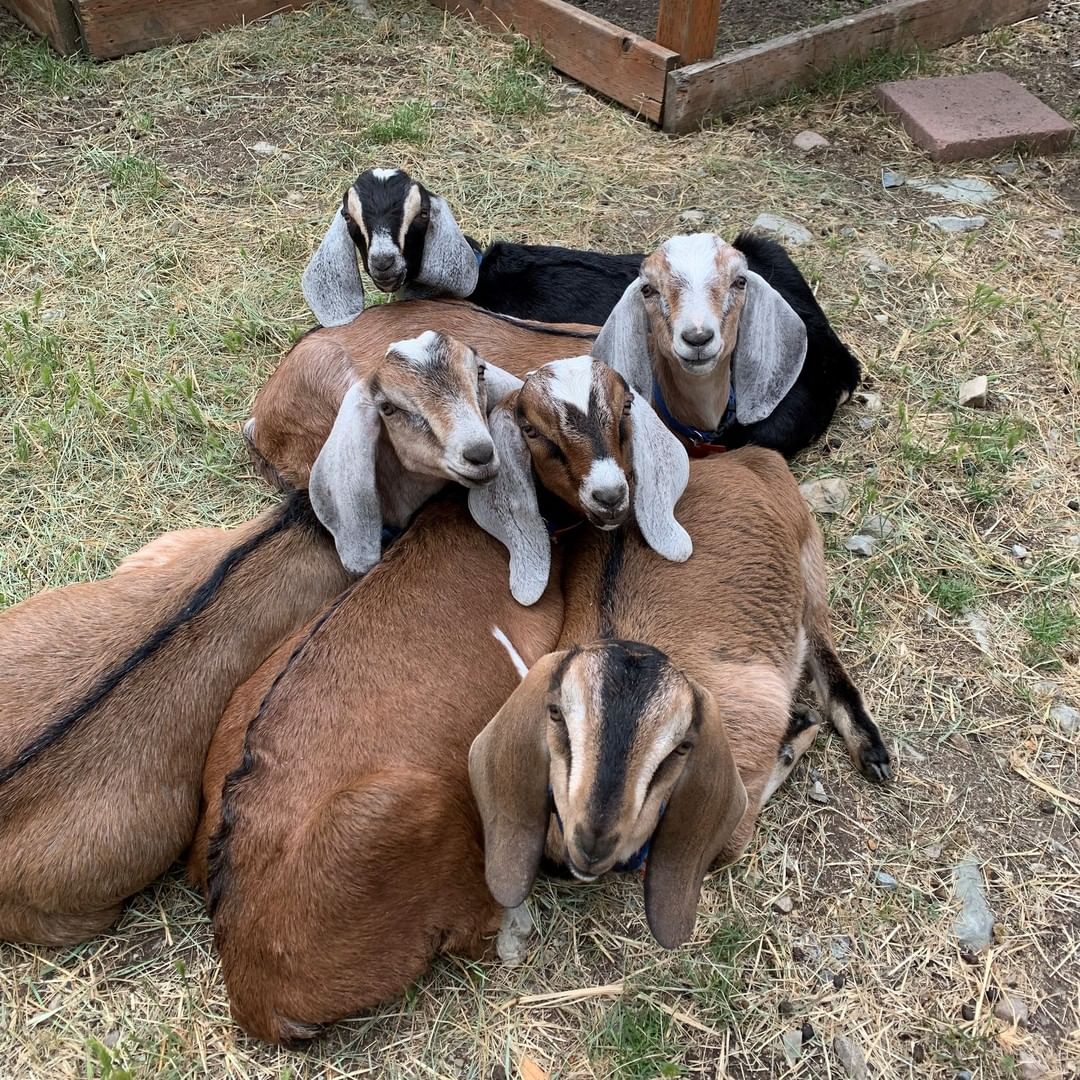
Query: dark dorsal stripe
(295, 511)
(609, 580)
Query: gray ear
(661, 473)
(342, 485)
(769, 351)
(498, 384)
(507, 509)
(449, 263)
(623, 341)
(331, 280)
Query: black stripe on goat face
(575, 416)
(388, 213)
(622, 721)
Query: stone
(870, 401)
(827, 496)
(860, 545)
(817, 793)
(1031, 1068)
(969, 190)
(849, 1054)
(784, 904)
(886, 881)
(809, 140)
(972, 393)
(1006, 168)
(362, 9)
(973, 927)
(890, 179)
(691, 217)
(1019, 552)
(932, 851)
(1067, 719)
(882, 318)
(1045, 688)
(980, 630)
(1013, 1010)
(873, 262)
(1054, 234)
(265, 149)
(878, 526)
(950, 224)
(52, 315)
(791, 232)
(973, 116)
(792, 1041)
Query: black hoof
(875, 763)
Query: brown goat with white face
(109, 694)
(295, 409)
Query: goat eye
(529, 431)
(555, 714)
(628, 406)
(480, 369)
(684, 747)
(647, 290)
(387, 408)
(739, 282)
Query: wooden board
(688, 27)
(116, 27)
(53, 19)
(603, 56)
(762, 71)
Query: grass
(149, 264)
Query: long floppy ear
(623, 341)
(342, 485)
(704, 809)
(498, 384)
(331, 280)
(508, 770)
(507, 509)
(449, 263)
(661, 473)
(769, 351)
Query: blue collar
(693, 435)
(635, 862)
(479, 256)
(389, 534)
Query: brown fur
(351, 853)
(107, 807)
(295, 410)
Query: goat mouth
(581, 875)
(389, 284)
(479, 478)
(699, 365)
(606, 520)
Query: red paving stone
(973, 116)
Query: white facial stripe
(604, 473)
(570, 380)
(408, 212)
(356, 212)
(417, 350)
(573, 710)
(382, 243)
(384, 174)
(515, 657)
(693, 264)
(674, 729)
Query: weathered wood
(762, 71)
(688, 27)
(116, 27)
(617, 63)
(53, 19)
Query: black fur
(295, 511)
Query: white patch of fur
(382, 243)
(384, 174)
(356, 212)
(417, 350)
(408, 212)
(678, 723)
(693, 259)
(604, 473)
(574, 710)
(571, 379)
(515, 657)
(249, 428)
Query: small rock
(817, 793)
(890, 179)
(870, 401)
(1019, 551)
(873, 262)
(886, 881)
(1044, 688)
(849, 232)
(691, 217)
(1013, 1010)
(265, 149)
(792, 1041)
(959, 741)
(790, 232)
(807, 1032)
(974, 925)
(878, 526)
(1054, 234)
(860, 545)
(932, 851)
(362, 9)
(1067, 719)
(784, 904)
(1007, 168)
(111, 1039)
(973, 393)
(809, 140)
(828, 496)
(852, 1059)
(52, 315)
(980, 630)
(968, 190)
(1031, 1068)
(786, 1008)
(1073, 505)
(963, 1074)
(951, 224)
(967, 1010)
(882, 318)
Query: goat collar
(389, 534)
(699, 443)
(636, 861)
(559, 518)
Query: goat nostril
(593, 847)
(610, 497)
(697, 337)
(381, 262)
(479, 453)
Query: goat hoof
(875, 763)
(513, 941)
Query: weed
(33, 63)
(131, 178)
(954, 593)
(407, 123)
(635, 1041)
(518, 86)
(20, 230)
(1051, 626)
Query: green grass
(33, 63)
(638, 1041)
(132, 178)
(518, 85)
(1051, 626)
(954, 593)
(20, 230)
(408, 123)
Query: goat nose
(593, 847)
(479, 453)
(696, 338)
(611, 496)
(381, 262)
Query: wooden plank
(762, 71)
(117, 27)
(688, 27)
(603, 56)
(53, 19)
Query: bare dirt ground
(149, 265)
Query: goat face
(575, 417)
(694, 288)
(430, 393)
(387, 213)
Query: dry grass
(149, 264)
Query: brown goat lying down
(346, 850)
(295, 409)
(109, 694)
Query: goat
(664, 721)
(411, 245)
(109, 693)
(296, 408)
(730, 344)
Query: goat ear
(507, 509)
(508, 770)
(342, 485)
(623, 341)
(703, 812)
(449, 262)
(661, 473)
(769, 351)
(331, 280)
(499, 384)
